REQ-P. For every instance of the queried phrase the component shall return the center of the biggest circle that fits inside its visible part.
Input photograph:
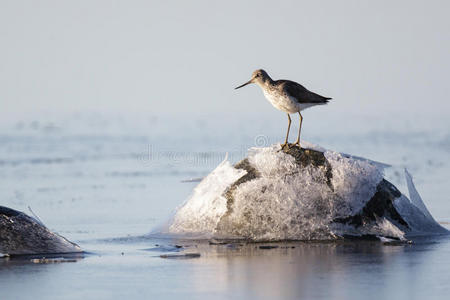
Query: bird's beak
(248, 82)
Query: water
(104, 181)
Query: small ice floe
(181, 255)
(23, 235)
(162, 248)
(393, 242)
(268, 247)
(52, 260)
(198, 179)
(301, 194)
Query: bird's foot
(297, 144)
(285, 146)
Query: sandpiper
(288, 96)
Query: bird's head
(259, 77)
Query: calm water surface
(105, 183)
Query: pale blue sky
(186, 56)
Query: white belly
(284, 103)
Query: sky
(184, 57)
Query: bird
(288, 96)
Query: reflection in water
(16, 260)
(132, 267)
(293, 269)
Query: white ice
(415, 213)
(201, 213)
(289, 202)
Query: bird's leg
(299, 130)
(287, 133)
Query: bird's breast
(281, 101)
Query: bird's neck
(265, 83)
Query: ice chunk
(23, 235)
(355, 181)
(298, 194)
(415, 197)
(204, 208)
(415, 213)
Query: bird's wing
(302, 94)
